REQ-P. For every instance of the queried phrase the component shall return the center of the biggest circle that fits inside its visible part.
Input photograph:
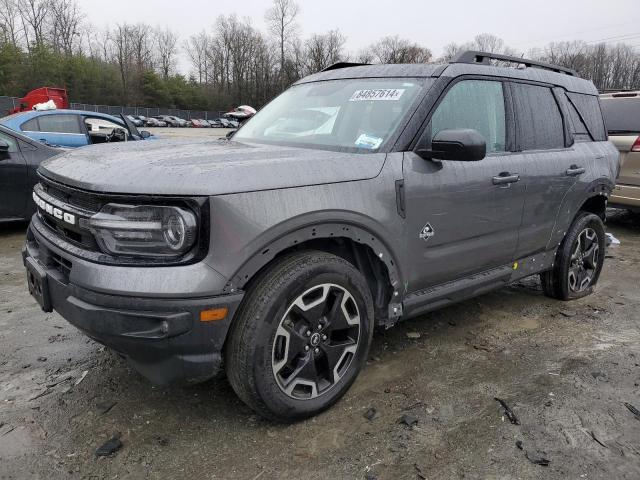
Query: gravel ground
(564, 369)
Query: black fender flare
(272, 245)
(575, 198)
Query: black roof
(467, 63)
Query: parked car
(20, 156)
(622, 117)
(223, 122)
(199, 123)
(215, 123)
(136, 121)
(73, 128)
(435, 183)
(154, 122)
(172, 121)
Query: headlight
(144, 231)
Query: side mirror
(460, 144)
(230, 134)
(4, 146)
(144, 134)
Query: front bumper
(162, 337)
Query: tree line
(50, 42)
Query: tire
(577, 266)
(265, 357)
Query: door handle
(575, 170)
(506, 177)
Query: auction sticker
(378, 94)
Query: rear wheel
(579, 260)
(301, 336)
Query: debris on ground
(105, 407)
(110, 447)
(81, 378)
(371, 414)
(162, 441)
(408, 420)
(413, 335)
(42, 359)
(633, 410)
(595, 439)
(519, 445)
(611, 240)
(537, 460)
(507, 411)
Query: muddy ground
(565, 369)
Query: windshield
(358, 115)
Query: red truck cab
(42, 95)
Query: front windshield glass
(357, 115)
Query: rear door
(462, 219)
(548, 166)
(64, 129)
(13, 180)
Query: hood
(179, 167)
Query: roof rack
(338, 65)
(471, 56)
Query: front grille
(74, 198)
(81, 204)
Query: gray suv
(361, 196)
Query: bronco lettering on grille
(54, 211)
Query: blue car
(73, 128)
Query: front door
(13, 180)
(463, 218)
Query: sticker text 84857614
(377, 94)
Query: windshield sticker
(369, 142)
(377, 94)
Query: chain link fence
(9, 103)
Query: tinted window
(578, 128)
(621, 114)
(8, 139)
(588, 106)
(538, 117)
(59, 124)
(30, 126)
(475, 104)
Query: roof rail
(471, 56)
(338, 65)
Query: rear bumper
(162, 338)
(625, 196)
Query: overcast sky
(431, 23)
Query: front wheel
(301, 336)
(578, 261)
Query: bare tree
(197, 48)
(65, 28)
(281, 21)
(166, 42)
(394, 49)
(33, 15)
(323, 50)
(10, 31)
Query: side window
(59, 124)
(538, 116)
(30, 125)
(588, 106)
(13, 144)
(578, 128)
(475, 104)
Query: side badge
(427, 232)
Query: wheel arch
(355, 243)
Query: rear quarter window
(539, 121)
(588, 107)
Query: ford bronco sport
(361, 196)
